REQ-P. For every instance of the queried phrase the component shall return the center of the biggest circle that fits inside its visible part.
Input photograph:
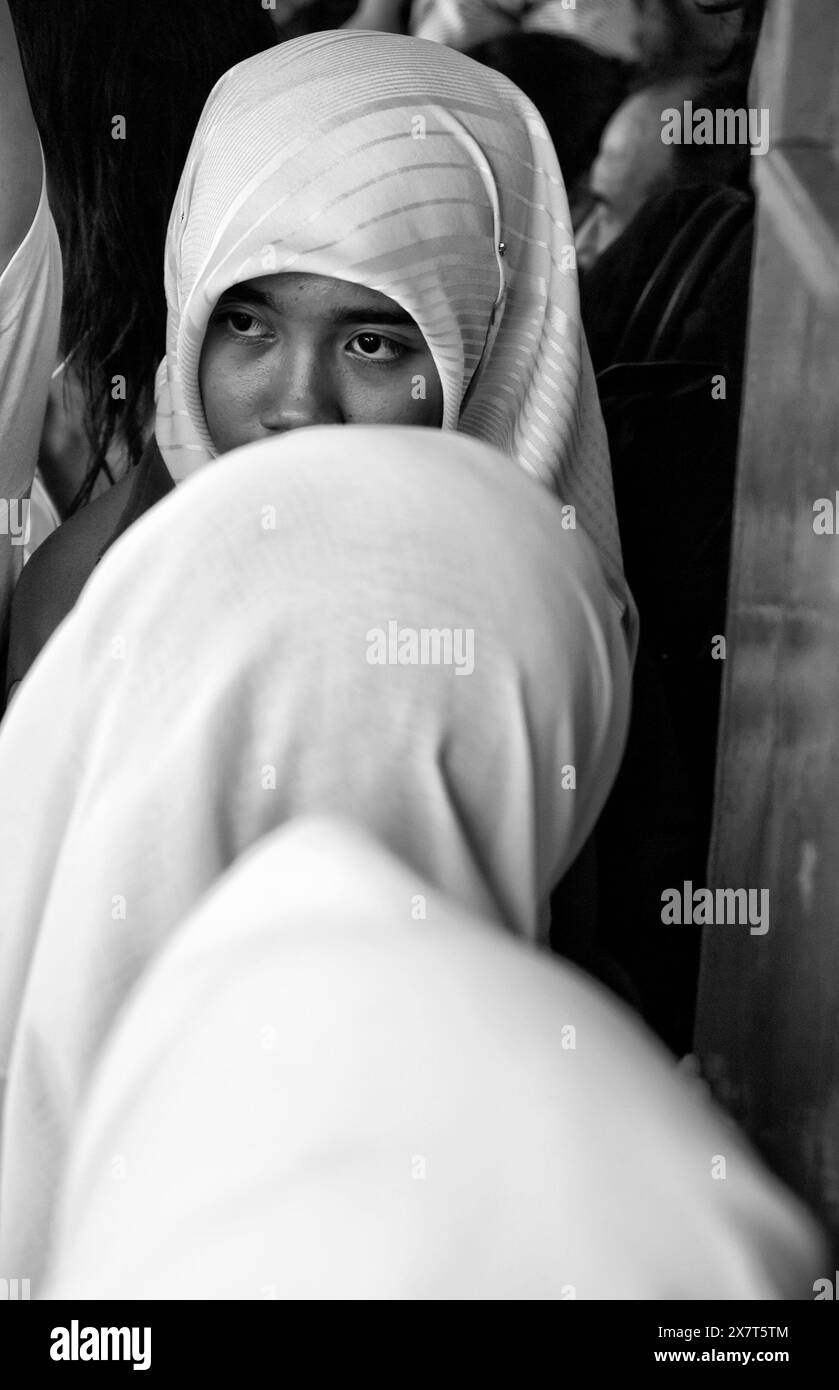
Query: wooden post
(768, 1012)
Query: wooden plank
(801, 187)
(797, 72)
(768, 1014)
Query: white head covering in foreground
(317, 1092)
(409, 169)
(215, 682)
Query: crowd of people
(319, 973)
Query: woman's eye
(242, 324)
(374, 347)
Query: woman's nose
(302, 390)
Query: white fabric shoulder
(30, 318)
(268, 1120)
(607, 26)
(464, 24)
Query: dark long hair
(152, 62)
(574, 89)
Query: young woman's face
(283, 351)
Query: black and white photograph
(419, 641)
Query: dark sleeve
(61, 566)
(54, 577)
(610, 291)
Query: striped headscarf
(409, 169)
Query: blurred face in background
(632, 165)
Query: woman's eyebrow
(397, 317)
(248, 291)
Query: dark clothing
(714, 326)
(665, 311)
(61, 566)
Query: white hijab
(407, 168)
(319, 1092)
(215, 682)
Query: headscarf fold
(409, 169)
(220, 675)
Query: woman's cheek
(427, 395)
(417, 397)
(229, 399)
(403, 399)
